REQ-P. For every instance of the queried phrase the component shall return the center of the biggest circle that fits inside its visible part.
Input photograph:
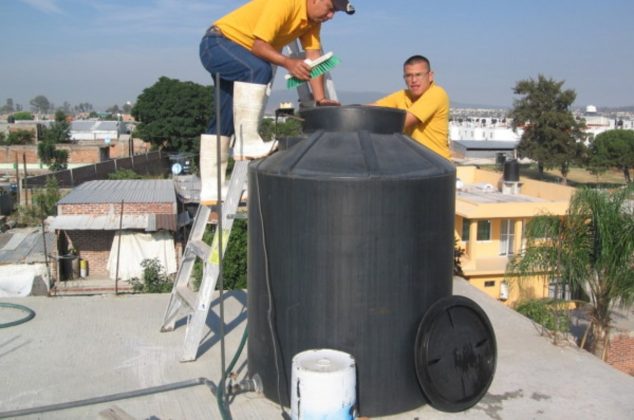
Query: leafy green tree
(44, 204)
(234, 269)
(23, 116)
(591, 249)
(20, 137)
(552, 136)
(269, 130)
(613, 149)
(173, 114)
(40, 104)
(58, 132)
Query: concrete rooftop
(93, 346)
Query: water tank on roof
(511, 171)
(350, 243)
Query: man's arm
(295, 66)
(317, 84)
(410, 121)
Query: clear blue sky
(107, 51)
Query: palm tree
(590, 249)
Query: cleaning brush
(318, 66)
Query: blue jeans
(234, 63)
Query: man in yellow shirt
(427, 106)
(241, 47)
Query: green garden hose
(29, 314)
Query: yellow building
(490, 218)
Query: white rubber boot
(249, 100)
(208, 168)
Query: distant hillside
(616, 109)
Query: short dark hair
(417, 59)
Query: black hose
(109, 398)
(226, 414)
(30, 314)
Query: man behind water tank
(426, 103)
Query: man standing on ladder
(241, 47)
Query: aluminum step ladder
(196, 305)
(184, 300)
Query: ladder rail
(196, 305)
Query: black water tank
(511, 171)
(350, 242)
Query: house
(92, 130)
(91, 216)
(479, 149)
(491, 215)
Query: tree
(613, 149)
(44, 204)
(269, 129)
(552, 136)
(83, 107)
(592, 249)
(58, 132)
(114, 109)
(8, 107)
(173, 114)
(23, 116)
(20, 137)
(40, 104)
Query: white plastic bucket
(323, 385)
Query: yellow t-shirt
(277, 22)
(432, 111)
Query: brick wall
(100, 209)
(8, 154)
(94, 247)
(77, 153)
(621, 352)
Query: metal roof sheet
(115, 191)
(24, 245)
(487, 144)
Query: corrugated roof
(94, 126)
(487, 144)
(147, 222)
(130, 191)
(24, 246)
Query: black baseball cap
(343, 6)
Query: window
(465, 229)
(484, 230)
(507, 237)
(489, 283)
(558, 290)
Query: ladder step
(199, 248)
(187, 296)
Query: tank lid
(374, 119)
(455, 354)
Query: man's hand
(327, 102)
(298, 68)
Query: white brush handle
(312, 63)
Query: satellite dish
(177, 168)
